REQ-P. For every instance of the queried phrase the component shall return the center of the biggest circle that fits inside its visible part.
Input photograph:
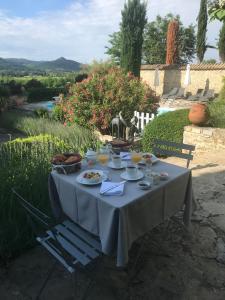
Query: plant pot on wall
(199, 114)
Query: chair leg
(46, 281)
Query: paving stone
(219, 222)
(220, 251)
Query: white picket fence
(143, 119)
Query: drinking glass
(136, 157)
(148, 170)
(103, 158)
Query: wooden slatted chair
(161, 147)
(71, 245)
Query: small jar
(155, 178)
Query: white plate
(125, 176)
(82, 180)
(154, 158)
(122, 166)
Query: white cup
(116, 159)
(131, 171)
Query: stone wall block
(207, 131)
(205, 138)
(196, 129)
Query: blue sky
(77, 29)
(30, 8)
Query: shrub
(222, 91)
(15, 88)
(41, 112)
(80, 77)
(4, 95)
(33, 83)
(168, 126)
(217, 113)
(77, 137)
(58, 113)
(43, 94)
(25, 164)
(107, 91)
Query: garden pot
(198, 114)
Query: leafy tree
(115, 41)
(217, 10)
(154, 45)
(202, 29)
(132, 27)
(221, 43)
(33, 83)
(15, 88)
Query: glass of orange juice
(136, 157)
(103, 158)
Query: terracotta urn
(198, 114)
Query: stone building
(208, 76)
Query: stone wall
(174, 77)
(205, 138)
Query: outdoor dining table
(119, 220)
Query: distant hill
(24, 65)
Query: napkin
(125, 155)
(118, 190)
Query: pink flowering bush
(95, 101)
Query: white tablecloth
(120, 220)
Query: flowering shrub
(95, 101)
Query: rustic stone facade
(205, 138)
(209, 76)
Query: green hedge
(25, 164)
(217, 113)
(79, 139)
(43, 94)
(168, 126)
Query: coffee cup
(116, 159)
(131, 170)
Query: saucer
(138, 176)
(122, 165)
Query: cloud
(80, 31)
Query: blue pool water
(48, 105)
(163, 110)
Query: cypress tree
(172, 54)
(221, 44)
(132, 27)
(202, 29)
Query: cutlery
(113, 187)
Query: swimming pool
(163, 110)
(43, 104)
(48, 105)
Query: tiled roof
(197, 67)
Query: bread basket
(64, 167)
